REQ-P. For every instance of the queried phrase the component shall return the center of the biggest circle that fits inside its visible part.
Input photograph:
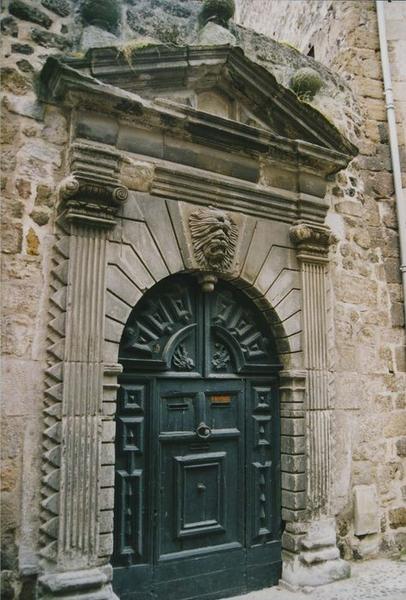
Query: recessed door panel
(201, 467)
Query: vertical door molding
(90, 199)
(314, 556)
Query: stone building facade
(344, 37)
(124, 128)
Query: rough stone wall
(366, 286)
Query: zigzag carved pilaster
(53, 399)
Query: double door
(197, 487)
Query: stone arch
(153, 244)
(150, 244)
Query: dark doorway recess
(197, 507)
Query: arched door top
(178, 327)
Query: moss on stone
(129, 49)
(219, 11)
(306, 82)
(102, 13)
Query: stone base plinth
(297, 574)
(89, 584)
(315, 560)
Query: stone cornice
(92, 193)
(63, 83)
(175, 68)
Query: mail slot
(221, 399)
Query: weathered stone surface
(213, 34)
(103, 13)
(60, 7)
(9, 26)
(40, 216)
(26, 67)
(397, 517)
(32, 242)
(22, 48)
(27, 12)
(50, 40)
(13, 81)
(95, 37)
(12, 236)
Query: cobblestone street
(371, 580)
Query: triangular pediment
(220, 82)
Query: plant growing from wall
(101, 13)
(306, 82)
(218, 11)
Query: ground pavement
(380, 579)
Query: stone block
(320, 534)
(106, 521)
(25, 106)
(106, 499)
(9, 26)
(108, 454)
(293, 500)
(291, 516)
(107, 476)
(109, 431)
(294, 482)
(27, 12)
(22, 386)
(397, 314)
(60, 7)
(292, 426)
(397, 517)
(296, 574)
(401, 447)
(396, 426)
(106, 544)
(50, 40)
(293, 464)
(320, 555)
(291, 541)
(293, 445)
(366, 510)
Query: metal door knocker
(203, 431)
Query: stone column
(314, 558)
(89, 201)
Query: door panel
(197, 450)
(199, 475)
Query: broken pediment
(195, 81)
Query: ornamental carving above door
(197, 447)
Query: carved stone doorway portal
(155, 187)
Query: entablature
(125, 106)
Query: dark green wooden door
(197, 453)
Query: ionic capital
(312, 241)
(92, 193)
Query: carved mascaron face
(214, 236)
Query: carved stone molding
(214, 238)
(312, 241)
(92, 192)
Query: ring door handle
(203, 431)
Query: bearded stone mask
(214, 236)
